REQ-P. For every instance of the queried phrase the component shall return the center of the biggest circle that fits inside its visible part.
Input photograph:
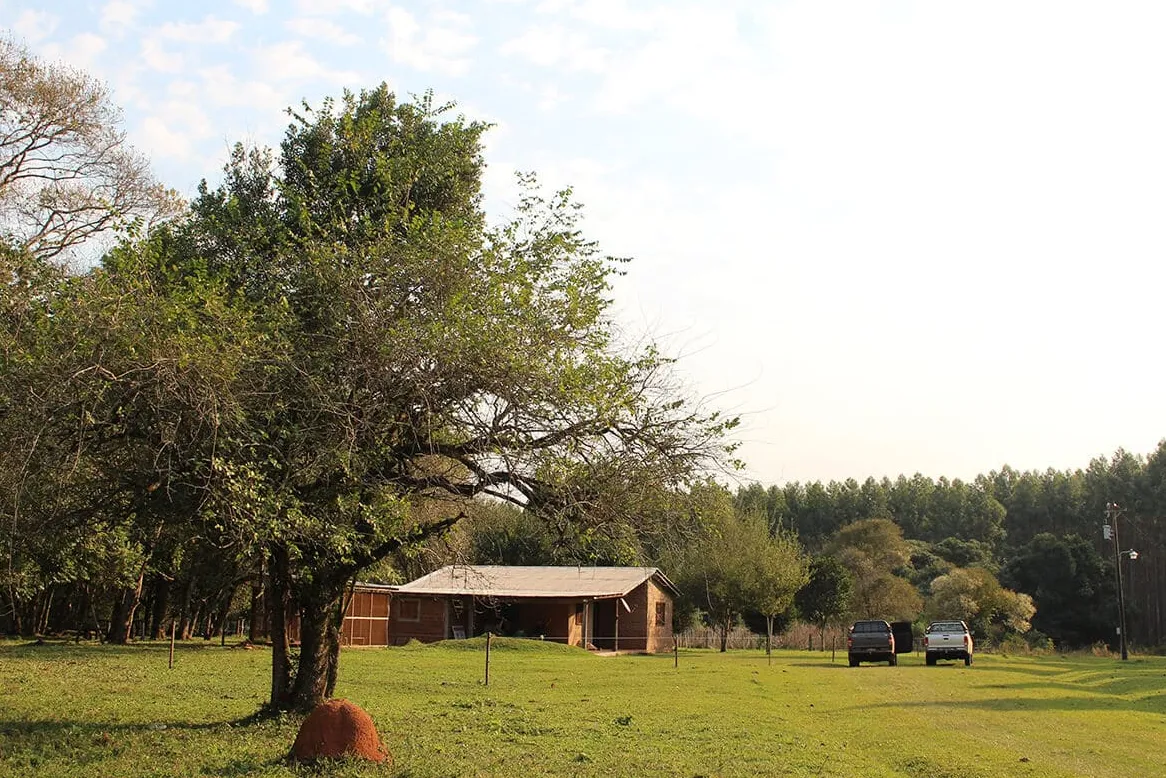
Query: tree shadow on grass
(1151, 703)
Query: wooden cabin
(602, 608)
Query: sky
(894, 236)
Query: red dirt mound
(335, 729)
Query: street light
(1112, 511)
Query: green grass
(550, 710)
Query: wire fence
(798, 636)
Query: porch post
(586, 624)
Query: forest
(331, 367)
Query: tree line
(1039, 531)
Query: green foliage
(925, 566)
(875, 553)
(501, 534)
(1070, 584)
(734, 565)
(965, 553)
(824, 600)
(879, 540)
(973, 595)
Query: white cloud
(696, 54)
(35, 26)
(549, 98)
(445, 16)
(117, 16)
(158, 140)
(209, 30)
(159, 59)
(322, 29)
(288, 61)
(81, 51)
(615, 15)
(333, 7)
(440, 46)
(554, 45)
(222, 88)
(257, 7)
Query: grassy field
(549, 710)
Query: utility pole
(1112, 511)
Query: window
(661, 614)
(409, 610)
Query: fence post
(676, 652)
(173, 627)
(489, 636)
(832, 638)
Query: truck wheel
(853, 662)
(967, 659)
(894, 660)
(930, 660)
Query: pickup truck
(871, 641)
(947, 640)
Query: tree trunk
(82, 614)
(321, 613)
(256, 627)
(278, 611)
(724, 636)
(42, 616)
(185, 616)
(769, 638)
(17, 626)
(225, 600)
(315, 672)
(161, 606)
(121, 621)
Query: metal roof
(533, 582)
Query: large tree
(403, 357)
(876, 554)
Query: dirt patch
(336, 729)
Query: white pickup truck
(947, 640)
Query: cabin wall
(366, 622)
(418, 618)
(659, 614)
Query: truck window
(946, 626)
(871, 626)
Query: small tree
(781, 571)
(734, 565)
(825, 598)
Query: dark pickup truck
(871, 641)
